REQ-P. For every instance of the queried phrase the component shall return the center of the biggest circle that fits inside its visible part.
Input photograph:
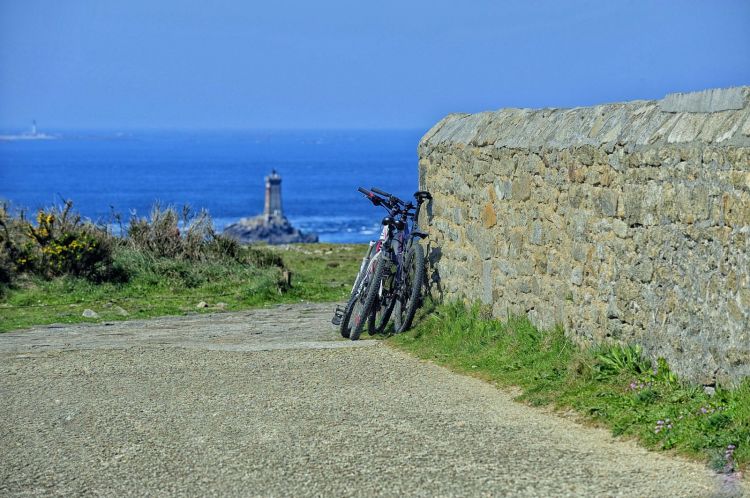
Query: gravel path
(268, 402)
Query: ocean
(126, 173)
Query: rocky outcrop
(626, 222)
(268, 229)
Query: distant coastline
(33, 134)
(27, 136)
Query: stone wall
(627, 222)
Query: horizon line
(129, 129)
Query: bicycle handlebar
(378, 191)
(376, 200)
(393, 203)
(392, 198)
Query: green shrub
(60, 243)
(167, 234)
(162, 262)
(159, 235)
(263, 258)
(164, 245)
(616, 360)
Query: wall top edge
(715, 116)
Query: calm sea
(221, 172)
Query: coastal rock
(269, 229)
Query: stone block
(707, 101)
(489, 218)
(746, 126)
(686, 129)
(521, 188)
(487, 282)
(607, 202)
(522, 286)
(458, 217)
(580, 252)
(643, 270)
(576, 276)
(516, 242)
(620, 228)
(502, 190)
(537, 234)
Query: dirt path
(268, 402)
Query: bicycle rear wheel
(406, 306)
(385, 300)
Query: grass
(612, 386)
(165, 286)
(321, 272)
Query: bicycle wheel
(345, 327)
(366, 297)
(384, 301)
(381, 314)
(406, 305)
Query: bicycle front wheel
(346, 327)
(381, 314)
(368, 293)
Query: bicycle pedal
(338, 315)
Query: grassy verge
(321, 272)
(612, 386)
(166, 286)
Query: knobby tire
(407, 306)
(366, 298)
(344, 328)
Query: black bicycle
(400, 293)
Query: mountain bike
(400, 293)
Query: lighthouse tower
(273, 197)
(271, 226)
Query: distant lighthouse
(33, 128)
(272, 207)
(271, 226)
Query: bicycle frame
(365, 260)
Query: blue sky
(347, 64)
